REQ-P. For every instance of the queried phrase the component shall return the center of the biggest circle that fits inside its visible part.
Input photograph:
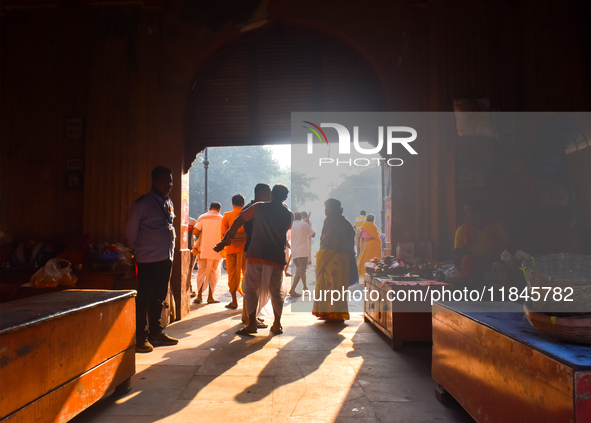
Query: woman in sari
(333, 264)
(370, 243)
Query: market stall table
(400, 321)
(501, 369)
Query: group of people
(254, 238)
(479, 241)
(269, 228)
(207, 229)
(253, 241)
(267, 223)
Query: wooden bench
(61, 352)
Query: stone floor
(313, 372)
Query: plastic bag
(56, 272)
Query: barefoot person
(234, 251)
(333, 263)
(370, 243)
(262, 192)
(208, 229)
(265, 256)
(300, 251)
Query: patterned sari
(370, 247)
(332, 273)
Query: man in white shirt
(208, 230)
(300, 250)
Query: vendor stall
(62, 351)
(502, 369)
(400, 317)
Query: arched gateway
(246, 91)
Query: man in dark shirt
(262, 192)
(265, 256)
(150, 233)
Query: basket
(562, 271)
(573, 329)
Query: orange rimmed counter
(400, 321)
(61, 352)
(501, 369)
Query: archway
(245, 93)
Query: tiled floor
(313, 372)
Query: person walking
(189, 284)
(208, 229)
(370, 243)
(359, 221)
(150, 232)
(334, 264)
(306, 219)
(262, 193)
(265, 257)
(301, 233)
(235, 251)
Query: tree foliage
(360, 192)
(232, 170)
(300, 192)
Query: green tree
(232, 170)
(300, 190)
(361, 191)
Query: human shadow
(195, 367)
(398, 382)
(307, 349)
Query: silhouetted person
(208, 231)
(300, 251)
(479, 242)
(235, 251)
(265, 257)
(151, 234)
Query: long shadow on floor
(192, 358)
(210, 364)
(398, 384)
(298, 358)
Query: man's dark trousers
(153, 279)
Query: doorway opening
(244, 94)
(237, 169)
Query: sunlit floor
(313, 372)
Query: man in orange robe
(234, 251)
